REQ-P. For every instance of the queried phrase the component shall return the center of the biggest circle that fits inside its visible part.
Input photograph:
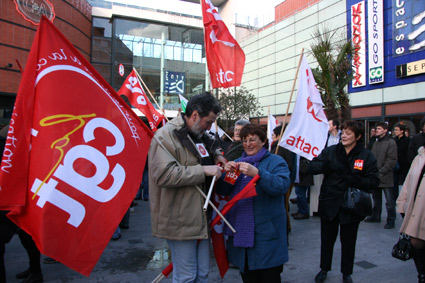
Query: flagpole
(140, 78)
(199, 190)
(290, 99)
(268, 124)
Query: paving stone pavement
(139, 257)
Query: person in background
(416, 142)
(235, 150)
(303, 181)
(290, 159)
(372, 138)
(334, 133)
(402, 167)
(182, 161)
(411, 204)
(259, 247)
(385, 151)
(346, 164)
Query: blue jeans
(390, 204)
(302, 202)
(190, 259)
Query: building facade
(272, 54)
(18, 23)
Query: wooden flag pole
(290, 99)
(144, 85)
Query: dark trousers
(268, 275)
(390, 203)
(32, 251)
(348, 237)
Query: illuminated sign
(408, 26)
(376, 41)
(358, 36)
(410, 69)
(174, 82)
(32, 10)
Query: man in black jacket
(417, 141)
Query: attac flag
(271, 124)
(225, 58)
(74, 154)
(137, 96)
(307, 132)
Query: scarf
(241, 216)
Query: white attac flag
(271, 124)
(307, 132)
(220, 130)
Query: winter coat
(385, 151)
(402, 160)
(340, 169)
(175, 203)
(304, 176)
(270, 244)
(234, 151)
(414, 219)
(416, 142)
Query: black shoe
(347, 279)
(321, 276)
(124, 226)
(295, 213)
(23, 274)
(389, 226)
(36, 277)
(371, 219)
(117, 238)
(50, 260)
(293, 200)
(300, 216)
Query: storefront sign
(408, 26)
(358, 35)
(410, 69)
(32, 10)
(376, 41)
(174, 82)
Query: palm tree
(333, 55)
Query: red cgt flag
(135, 93)
(225, 58)
(247, 192)
(74, 154)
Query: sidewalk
(139, 257)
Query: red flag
(247, 192)
(225, 58)
(73, 155)
(217, 238)
(135, 93)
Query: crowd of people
(184, 160)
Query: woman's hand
(230, 166)
(248, 169)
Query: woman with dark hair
(346, 164)
(258, 248)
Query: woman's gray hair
(242, 122)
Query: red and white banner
(271, 124)
(225, 58)
(137, 96)
(74, 154)
(307, 132)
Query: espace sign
(388, 37)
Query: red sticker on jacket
(358, 164)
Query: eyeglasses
(250, 141)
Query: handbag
(358, 202)
(403, 250)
